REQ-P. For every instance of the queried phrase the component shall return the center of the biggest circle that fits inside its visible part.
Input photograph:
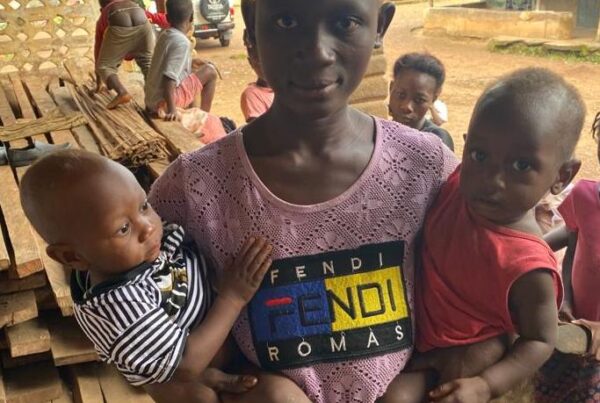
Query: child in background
(123, 32)
(417, 83)
(141, 294)
(486, 270)
(257, 98)
(171, 82)
(568, 377)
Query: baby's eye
(348, 24)
(478, 156)
(287, 22)
(521, 166)
(145, 205)
(124, 230)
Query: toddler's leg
(208, 77)
(409, 387)
(271, 388)
(189, 392)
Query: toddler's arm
(558, 239)
(243, 279)
(533, 305)
(169, 95)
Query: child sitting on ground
(141, 294)
(257, 98)
(417, 83)
(576, 378)
(123, 32)
(171, 83)
(486, 272)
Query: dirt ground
(469, 65)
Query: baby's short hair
(179, 11)
(533, 89)
(46, 184)
(423, 63)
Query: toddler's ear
(65, 254)
(566, 174)
(386, 15)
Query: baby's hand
(594, 328)
(244, 276)
(465, 390)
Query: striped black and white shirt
(141, 320)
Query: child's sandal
(573, 339)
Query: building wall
(482, 23)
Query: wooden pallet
(39, 333)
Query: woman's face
(412, 93)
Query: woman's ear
(386, 15)
(566, 173)
(64, 253)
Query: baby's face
(115, 227)
(508, 166)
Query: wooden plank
(26, 255)
(4, 257)
(44, 298)
(54, 121)
(31, 337)
(10, 362)
(17, 308)
(66, 397)
(180, 139)
(82, 134)
(24, 104)
(68, 343)
(117, 390)
(8, 285)
(3, 342)
(45, 105)
(2, 389)
(158, 167)
(86, 387)
(33, 383)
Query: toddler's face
(116, 228)
(412, 93)
(508, 166)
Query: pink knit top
(334, 311)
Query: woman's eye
(287, 22)
(124, 230)
(521, 166)
(348, 24)
(477, 155)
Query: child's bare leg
(208, 77)
(173, 391)
(271, 388)
(409, 387)
(113, 83)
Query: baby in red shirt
(486, 272)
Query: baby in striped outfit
(142, 295)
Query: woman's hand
(465, 390)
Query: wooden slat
(180, 139)
(31, 337)
(26, 255)
(44, 104)
(32, 383)
(24, 104)
(44, 298)
(68, 343)
(116, 389)
(17, 308)
(158, 167)
(8, 285)
(10, 362)
(82, 134)
(86, 387)
(66, 397)
(4, 258)
(2, 389)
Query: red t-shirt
(468, 268)
(580, 210)
(102, 24)
(256, 100)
